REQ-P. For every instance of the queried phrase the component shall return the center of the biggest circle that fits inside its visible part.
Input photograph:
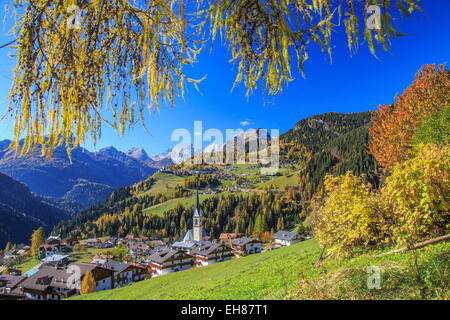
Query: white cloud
(245, 123)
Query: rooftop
(285, 235)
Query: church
(194, 251)
(196, 233)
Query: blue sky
(349, 84)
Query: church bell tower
(198, 230)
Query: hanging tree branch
(127, 55)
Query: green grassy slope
(159, 209)
(280, 183)
(261, 276)
(165, 183)
(288, 273)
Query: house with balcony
(207, 252)
(47, 250)
(123, 273)
(165, 260)
(244, 246)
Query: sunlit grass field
(290, 273)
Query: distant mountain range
(90, 178)
(177, 154)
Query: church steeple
(198, 230)
(197, 210)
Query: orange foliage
(394, 125)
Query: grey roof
(47, 277)
(242, 241)
(190, 235)
(204, 248)
(285, 235)
(162, 254)
(116, 266)
(138, 247)
(11, 281)
(183, 244)
(55, 258)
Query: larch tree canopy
(75, 59)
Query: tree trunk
(418, 245)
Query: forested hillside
(347, 152)
(317, 131)
(21, 212)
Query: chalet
(93, 243)
(107, 245)
(123, 273)
(141, 239)
(208, 252)
(286, 238)
(155, 243)
(113, 240)
(185, 246)
(53, 240)
(243, 246)
(166, 260)
(50, 283)
(139, 271)
(56, 260)
(227, 238)
(70, 240)
(230, 236)
(136, 249)
(101, 259)
(47, 250)
(10, 287)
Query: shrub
(418, 190)
(352, 215)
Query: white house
(286, 238)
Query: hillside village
(55, 276)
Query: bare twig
(8, 44)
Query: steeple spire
(198, 230)
(197, 210)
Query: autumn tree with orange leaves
(393, 126)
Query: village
(57, 276)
